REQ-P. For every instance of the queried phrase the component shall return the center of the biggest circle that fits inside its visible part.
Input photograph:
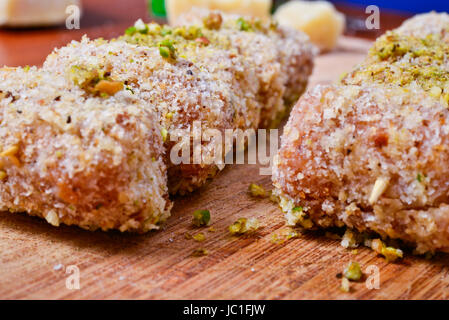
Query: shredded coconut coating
(77, 159)
(371, 155)
(424, 24)
(227, 84)
(177, 93)
(282, 58)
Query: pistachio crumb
(244, 225)
(164, 134)
(257, 191)
(200, 237)
(353, 271)
(200, 252)
(390, 253)
(201, 218)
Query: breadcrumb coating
(282, 58)
(371, 152)
(74, 158)
(87, 139)
(177, 93)
(228, 80)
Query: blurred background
(109, 18)
(411, 6)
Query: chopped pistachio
(167, 49)
(199, 237)
(244, 225)
(201, 218)
(243, 24)
(420, 177)
(257, 191)
(213, 21)
(353, 272)
(59, 154)
(164, 51)
(166, 30)
(350, 239)
(141, 27)
(274, 197)
(283, 236)
(164, 134)
(129, 89)
(390, 253)
(405, 59)
(200, 252)
(275, 239)
(131, 30)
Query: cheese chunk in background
(31, 13)
(318, 19)
(255, 8)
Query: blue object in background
(415, 6)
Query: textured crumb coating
(405, 59)
(74, 158)
(371, 152)
(422, 25)
(177, 93)
(282, 57)
(341, 140)
(224, 77)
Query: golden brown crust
(371, 154)
(76, 159)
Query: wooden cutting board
(35, 256)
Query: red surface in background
(108, 19)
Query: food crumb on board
(243, 226)
(257, 191)
(200, 252)
(345, 285)
(200, 237)
(201, 218)
(353, 272)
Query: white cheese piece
(255, 8)
(318, 19)
(26, 13)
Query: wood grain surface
(159, 265)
